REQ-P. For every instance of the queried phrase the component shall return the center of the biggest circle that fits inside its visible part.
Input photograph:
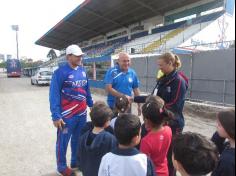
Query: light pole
(16, 28)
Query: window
(45, 73)
(186, 18)
(117, 35)
(212, 11)
(89, 69)
(101, 69)
(137, 28)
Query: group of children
(115, 147)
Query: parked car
(41, 78)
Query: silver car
(41, 78)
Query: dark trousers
(176, 130)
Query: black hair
(156, 112)
(227, 120)
(122, 104)
(100, 114)
(127, 126)
(195, 153)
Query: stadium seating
(160, 42)
(188, 32)
(139, 44)
(183, 31)
(164, 37)
(207, 18)
(105, 49)
(168, 27)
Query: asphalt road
(27, 136)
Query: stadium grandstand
(145, 29)
(103, 28)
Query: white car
(41, 78)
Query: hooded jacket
(90, 155)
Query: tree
(52, 55)
(3, 65)
(25, 64)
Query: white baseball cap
(74, 50)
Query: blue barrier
(207, 18)
(97, 59)
(97, 84)
(139, 35)
(168, 27)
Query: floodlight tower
(16, 28)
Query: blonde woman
(172, 88)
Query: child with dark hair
(149, 99)
(122, 106)
(95, 143)
(157, 142)
(225, 130)
(126, 160)
(89, 125)
(193, 154)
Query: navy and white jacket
(90, 155)
(69, 93)
(226, 165)
(129, 162)
(172, 89)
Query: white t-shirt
(112, 124)
(132, 163)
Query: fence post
(94, 71)
(147, 62)
(224, 93)
(191, 76)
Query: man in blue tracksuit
(122, 81)
(69, 97)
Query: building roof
(98, 17)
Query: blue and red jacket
(69, 93)
(172, 89)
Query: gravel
(27, 145)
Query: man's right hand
(59, 124)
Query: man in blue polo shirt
(122, 81)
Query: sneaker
(67, 172)
(74, 167)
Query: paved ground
(27, 136)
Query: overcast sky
(35, 18)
